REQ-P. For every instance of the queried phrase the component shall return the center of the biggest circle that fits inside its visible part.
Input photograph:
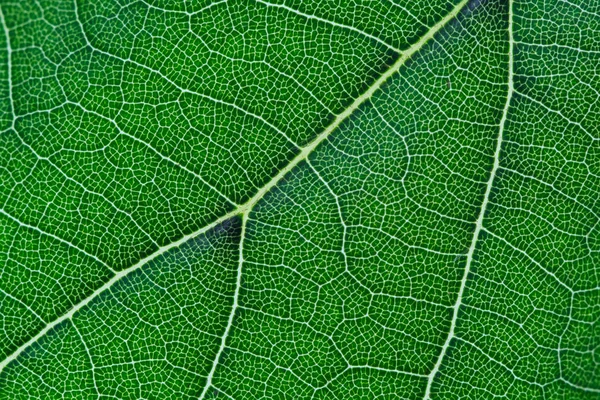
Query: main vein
(245, 208)
(480, 218)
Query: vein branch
(330, 22)
(9, 65)
(480, 218)
(53, 236)
(234, 307)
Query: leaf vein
(482, 211)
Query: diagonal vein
(245, 208)
(53, 236)
(329, 22)
(480, 218)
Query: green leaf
(285, 199)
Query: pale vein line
(329, 22)
(262, 62)
(89, 354)
(308, 149)
(480, 218)
(501, 364)
(342, 221)
(559, 113)
(21, 302)
(518, 378)
(576, 386)
(551, 186)
(247, 207)
(188, 13)
(274, 364)
(397, 371)
(558, 46)
(53, 236)
(223, 393)
(406, 10)
(234, 307)
(530, 258)
(9, 66)
(583, 10)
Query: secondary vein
(330, 22)
(234, 307)
(480, 218)
(245, 208)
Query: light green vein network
(243, 200)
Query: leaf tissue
(287, 199)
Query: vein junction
(244, 209)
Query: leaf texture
(300, 200)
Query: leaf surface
(300, 200)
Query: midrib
(244, 209)
(480, 218)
